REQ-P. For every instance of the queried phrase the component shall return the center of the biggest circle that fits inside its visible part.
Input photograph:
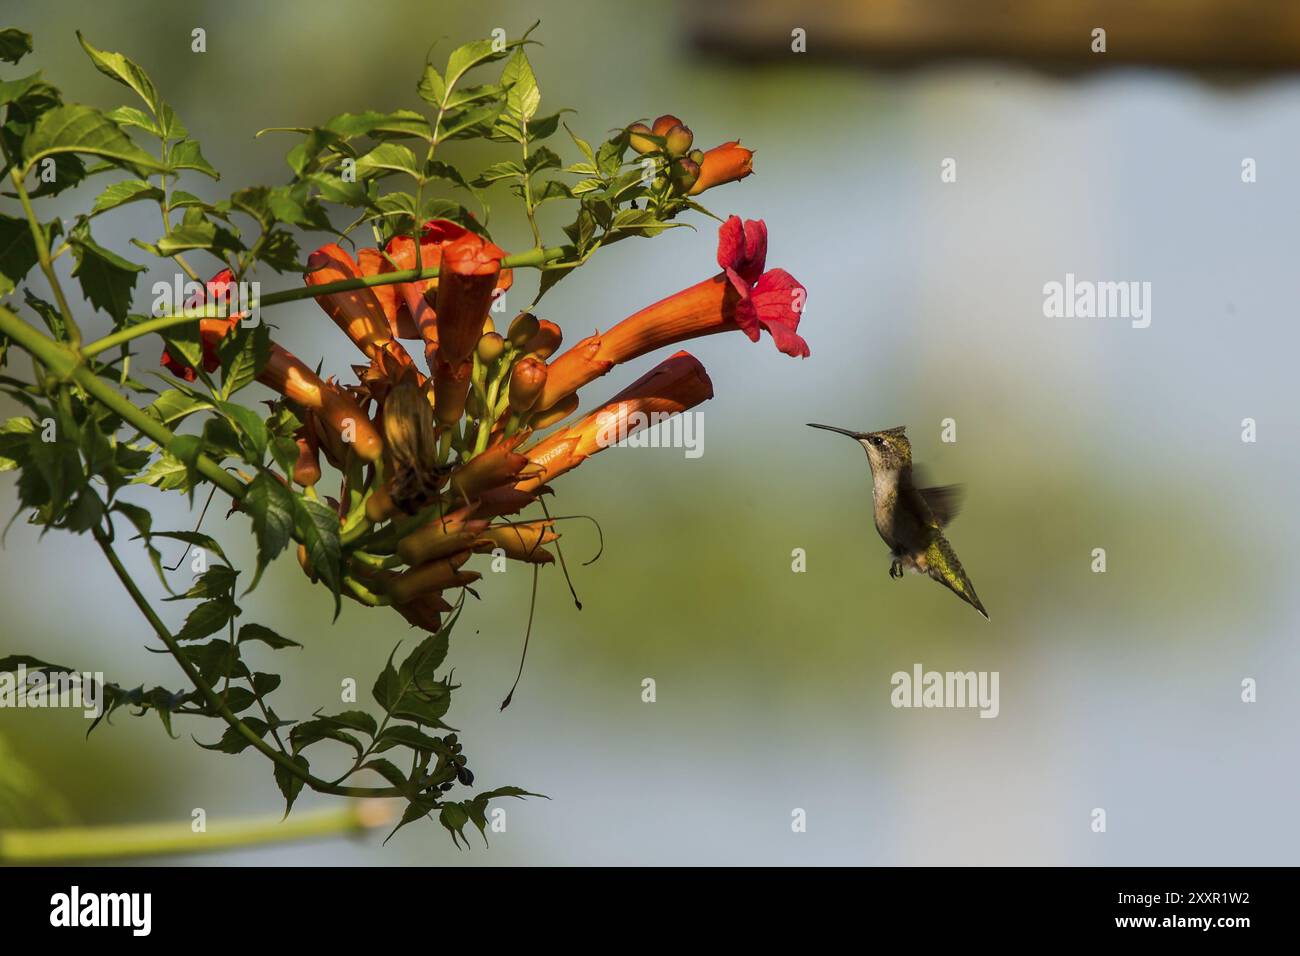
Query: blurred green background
(1118, 690)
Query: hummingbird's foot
(896, 568)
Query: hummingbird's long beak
(831, 428)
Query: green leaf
(14, 441)
(475, 53)
(309, 732)
(271, 506)
(466, 123)
(14, 45)
(318, 529)
(523, 96)
(119, 194)
(454, 817)
(388, 158)
(372, 123)
(17, 252)
(125, 71)
(251, 429)
(207, 618)
(106, 278)
(431, 88)
(403, 735)
(196, 538)
(257, 632)
(186, 155)
(174, 405)
(353, 720)
(134, 117)
(233, 742)
(386, 690)
(195, 231)
(217, 581)
(243, 355)
(81, 129)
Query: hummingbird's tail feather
(941, 564)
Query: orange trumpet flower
(673, 386)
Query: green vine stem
(279, 757)
(57, 844)
(64, 363)
(43, 256)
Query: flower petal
(778, 300)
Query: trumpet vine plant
(387, 478)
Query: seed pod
(527, 380)
(523, 328)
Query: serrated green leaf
(271, 507)
(388, 158)
(522, 96)
(431, 87)
(175, 405)
(186, 155)
(13, 442)
(124, 70)
(74, 128)
(258, 632)
(207, 618)
(119, 194)
(17, 252)
(107, 279)
(14, 44)
(243, 355)
(318, 529)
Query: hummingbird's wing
(941, 564)
(944, 501)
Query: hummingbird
(911, 519)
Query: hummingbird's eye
(875, 440)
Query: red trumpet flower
(742, 297)
(211, 331)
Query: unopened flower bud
(526, 383)
(678, 140)
(490, 347)
(306, 470)
(664, 123)
(639, 141)
(523, 328)
(560, 410)
(684, 173)
(546, 341)
(696, 155)
(723, 164)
